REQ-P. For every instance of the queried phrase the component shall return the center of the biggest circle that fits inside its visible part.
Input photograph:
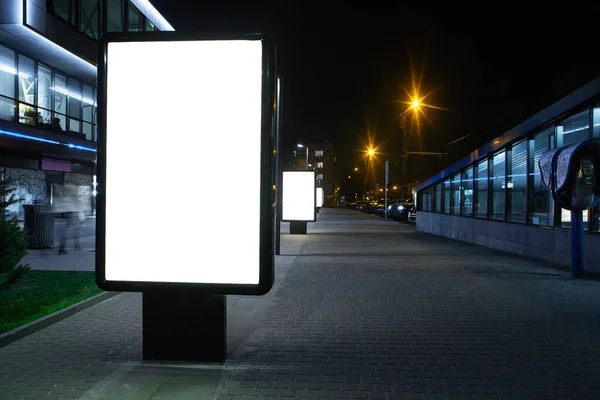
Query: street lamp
(414, 105)
(300, 145)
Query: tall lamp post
(301, 146)
(370, 154)
(413, 106)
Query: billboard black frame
(268, 114)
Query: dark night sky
(345, 62)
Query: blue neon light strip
(37, 139)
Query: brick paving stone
(369, 309)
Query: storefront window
(74, 125)
(44, 96)
(498, 182)
(7, 109)
(481, 189)
(87, 131)
(426, 199)
(64, 9)
(575, 129)
(87, 103)
(455, 188)
(8, 72)
(135, 19)
(114, 17)
(90, 18)
(27, 114)
(59, 122)
(517, 183)
(438, 197)
(148, 26)
(74, 98)
(60, 94)
(467, 192)
(541, 207)
(27, 79)
(447, 196)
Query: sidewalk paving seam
(41, 323)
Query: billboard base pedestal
(298, 227)
(183, 325)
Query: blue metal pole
(577, 247)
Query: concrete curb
(41, 323)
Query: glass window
(87, 103)
(455, 198)
(437, 198)
(44, 96)
(575, 129)
(27, 114)
(319, 165)
(114, 16)
(427, 199)
(135, 19)
(319, 153)
(27, 79)
(148, 25)
(7, 109)
(89, 17)
(8, 72)
(44, 118)
(481, 189)
(596, 122)
(74, 98)
(59, 122)
(447, 196)
(467, 192)
(517, 183)
(87, 131)
(74, 126)
(498, 183)
(64, 9)
(60, 94)
(541, 206)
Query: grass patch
(40, 293)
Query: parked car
(399, 211)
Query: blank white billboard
(183, 130)
(298, 196)
(320, 197)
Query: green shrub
(13, 240)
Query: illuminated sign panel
(298, 197)
(180, 117)
(320, 197)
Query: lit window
(319, 153)
(319, 177)
(319, 165)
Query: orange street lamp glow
(415, 103)
(371, 152)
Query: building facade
(321, 158)
(495, 196)
(48, 58)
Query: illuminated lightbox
(183, 122)
(298, 196)
(320, 197)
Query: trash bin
(39, 224)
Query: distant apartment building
(321, 159)
(48, 58)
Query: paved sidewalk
(363, 308)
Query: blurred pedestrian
(66, 202)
